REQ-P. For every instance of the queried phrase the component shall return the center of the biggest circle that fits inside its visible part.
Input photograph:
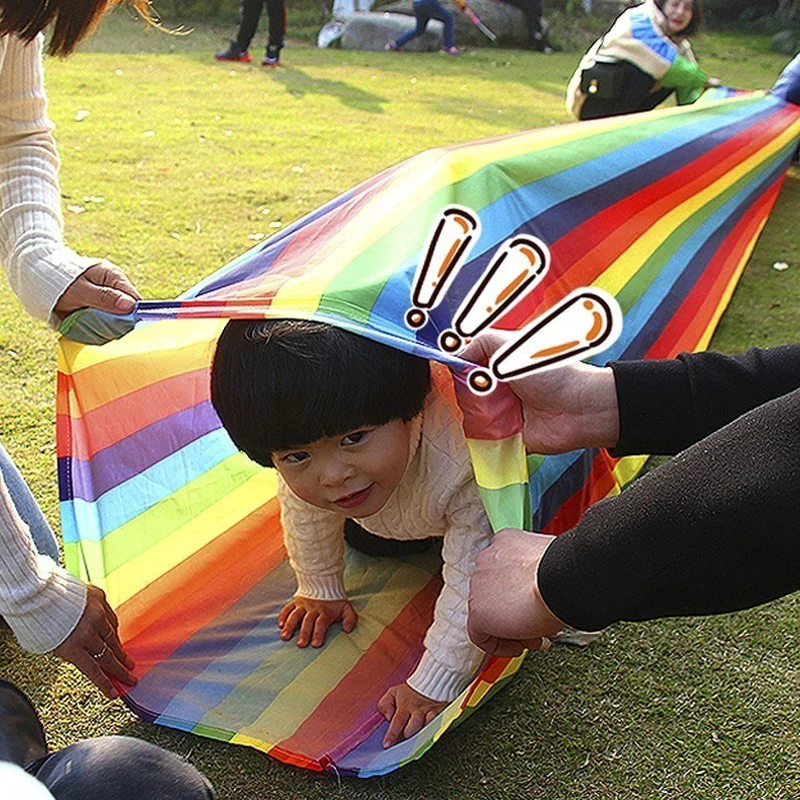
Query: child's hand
(408, 712)
(314, 617)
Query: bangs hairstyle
(280, 384)
(695, 24)
(73, 20)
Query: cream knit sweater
(437, 496)
(39, 600)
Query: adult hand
(407, 711)
(94, 646)
(565, 409)
(104, 286)
(506, 612)
(314, 617)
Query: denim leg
(436, 10)
(121, 768)
(27, 507)
(422, 18)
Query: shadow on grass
(298, 84)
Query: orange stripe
(159, 619)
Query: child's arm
(315, 544)
(450, 659)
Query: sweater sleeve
(315, 544)
(38, 264)
(450, 660)
(713, 530)
(40, 601)
(665, 406)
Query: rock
(786, 42)
(371, 31)
(504, 20)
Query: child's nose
(336, 472)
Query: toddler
(355, 430)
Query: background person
(713, 530)
(640, 61)
(251, 14)
(424, 12)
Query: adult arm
(49, 278)
(713, 530)
(665, 406)
(50, 610)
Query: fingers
(387, 705)
(349, 618)
(290, 622)
(94, 646)
(397, 725)
(103, 286)
(480, 350)
(321, 625)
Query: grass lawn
(182, 163)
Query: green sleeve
(684, 74)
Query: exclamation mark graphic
(450, 239)
(516, 268)
(586, 322)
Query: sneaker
(453, 51)
(273, 57)
(233, 53)
(540, 44)
(392, 45)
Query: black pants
(532, 9)
(105, 768)
(251, 14)
(636, 95)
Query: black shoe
(540, 43)
(273, 56)
(373, 545)
(233, 53)
(21, 735)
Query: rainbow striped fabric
(660, 210)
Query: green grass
(192, 159)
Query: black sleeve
(665, 406)
(715, 529)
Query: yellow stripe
(410, 188)
(499, 463)
(309, 688)
(134, 575)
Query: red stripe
(117, 419)
(597, 485)
(585, 253)
(686, 327)
(350, 707)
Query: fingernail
(113, 694)
(124, 303)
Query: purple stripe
(135, 453)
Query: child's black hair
(278, 384)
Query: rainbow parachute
(659, 210)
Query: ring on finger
(97, 656)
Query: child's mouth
(354, 499)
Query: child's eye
(297, 457)
(355, 437)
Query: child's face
(678, 14)
(353, 474)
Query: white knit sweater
(32, 251)
(437, 496)
(40, 601)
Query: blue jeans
(27, 507)
(424, 11)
